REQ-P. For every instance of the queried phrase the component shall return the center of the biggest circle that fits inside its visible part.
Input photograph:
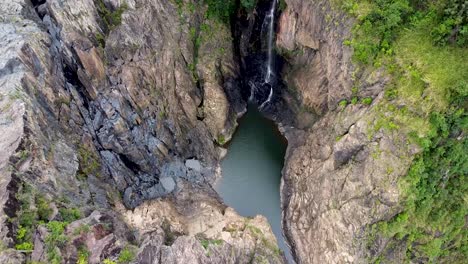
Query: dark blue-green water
(252, 171)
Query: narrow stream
(252, 171)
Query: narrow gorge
(236, 131)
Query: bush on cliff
(422, 45)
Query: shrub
(207, 242)
(126, 256)
(367, 101)
(56, 236)
(89, 162)
(343, 103)
(111, 18)
(433, 219)
(451, 23)
(249, 5)
(378, 28)
(43, 209)
(220, 9)
(70, 214)
(27, 246)
(221, 139)
(83, 255)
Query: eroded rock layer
(107, 104)
(340, 174)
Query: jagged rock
(340, 175)
(11, 257)
(90, 109)
(321, 74)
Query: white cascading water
(270, 19)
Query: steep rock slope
(105, 103)
(341, 174)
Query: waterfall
(270, 22)
(264, 81)
(270, 19)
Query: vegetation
(108, 261)
(34, 210)
(452, 25)
(56, 239)
(89, 162)
(207, 242)
(221, 139)
(70, 214)
(366, 101)
(249, 5)
(433, 222)
(126, 255)
(83, 255)
(422, 45)
(111, 18)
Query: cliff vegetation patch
(422, 45)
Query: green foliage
(451, 23)
(378, 26)
(126, 255)
(249, 5)
(207, 242)
(27, 246)
(54, 240)
(433, 220)
(26, 218)
(221, 139)
(111, 18)
(343, 103)
(108, 261)
(426, 100)
(83, 255)
(101, 39)
(367, 101)
(56, 235)
(282, 5)
(70, 214)
(43, 209)
(354, 100)
(89, 162)
(82, 229)
(221, 9)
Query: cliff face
(106, 97)
(341, 174)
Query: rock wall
(111, 103)
(341, 174)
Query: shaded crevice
(71, 76)
(37, 3)
(135, 168)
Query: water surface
(252, 171)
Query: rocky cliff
(107, 104)
(341, 173)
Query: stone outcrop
(340, 174)
(120, 107)
(107, 104)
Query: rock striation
(107, 104)
(340, 173)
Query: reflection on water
(252, 171)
